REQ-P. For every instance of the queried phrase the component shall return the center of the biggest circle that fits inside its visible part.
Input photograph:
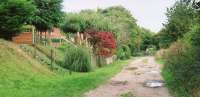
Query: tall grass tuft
(77, 59)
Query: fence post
(34, 51)
(51, 58)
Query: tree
(147, 38)
(85, 20)
(163, 39)
(182, 57)
(48, 14)
(181, 19)
(194, 3)
(14, 14)
(141, 39)
(116, 19)
(123, 22)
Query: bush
(159, 55)
(123, 52)
(133, 50)
(77, 59)
(104, 42)
(182, 60)
(195, 36)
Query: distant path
(131, 79)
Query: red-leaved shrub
(103, 42)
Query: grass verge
(175, 89)
(22, 76)
(128, 94)
(74, 85)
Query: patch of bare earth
(132, 79)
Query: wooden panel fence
(23, 38)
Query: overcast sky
(149, 13)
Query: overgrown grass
(50, 52)
(21, 76)
(41, 57)
(161, 61)
(172, 85)
(128, 94)
(77, 59)
(62, 86)
(175, 89)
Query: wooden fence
(23, 38)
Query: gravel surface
(132, 79)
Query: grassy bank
(74, 85)
(22, 76)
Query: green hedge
(183, 62)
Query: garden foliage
(124, 52)
(103, 42)
(117, 20)
(182, 58)
(14, 14)
(77, 59)
(43, 14)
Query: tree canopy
(48, 14)
(43, 14)
(113, 19)
(181, 19)
(117, 20)
(14, 14)
(181, 37)
(85, 20)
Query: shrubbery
(77, 59)
(160, 54)
(104, 43)
(183, 61)
(124, 52)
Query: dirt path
(131, 79)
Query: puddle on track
(153, 72)
(154, 83)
